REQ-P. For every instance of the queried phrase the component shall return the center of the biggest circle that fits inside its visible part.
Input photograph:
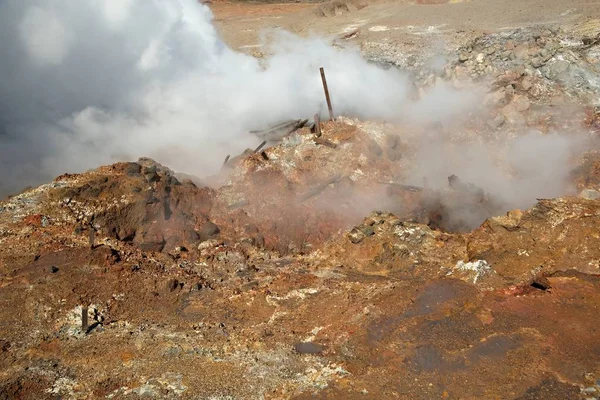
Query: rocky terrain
(315, 266)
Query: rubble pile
(271, 284)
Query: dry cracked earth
(310, 269)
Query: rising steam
(89, 82)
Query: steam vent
(230, 200)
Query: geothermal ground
(331, 266)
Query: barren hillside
(445, 246)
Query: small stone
(356, 236)
(480, 58)
(537, 62)
(308, 348)
(545, 55)
(551, 47)
(490, 50)
(54, 269)
(463, 56)
(150, 174)
(368, 231)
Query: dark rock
(150, 174)
(368, 231)
(208, 231)
(133, 169)
(151, 199)
(259, 240)
(173, 181)
(541, 283)
(154, 243)
(126, 233)
(54, 269)
(308, 348)
(173, 284)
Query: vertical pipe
(327, 94)
(92, 236)
(84, 319)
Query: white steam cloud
(89, 82)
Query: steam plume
(89, 82)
